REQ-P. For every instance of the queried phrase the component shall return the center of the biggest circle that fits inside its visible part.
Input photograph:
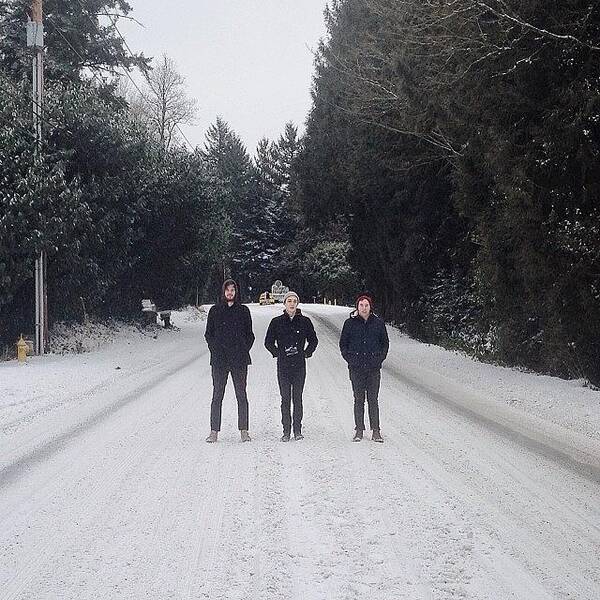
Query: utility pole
(35, 40)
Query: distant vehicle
(266, 298)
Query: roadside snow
(566, 403)
(114, 353)
(104, 356)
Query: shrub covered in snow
(76, 338)
(190, 314)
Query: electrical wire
(60, 32)
(132, 55)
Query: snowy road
(108, 490)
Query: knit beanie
(364, 297)
(290, 293)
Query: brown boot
(245, 436)
(376, 437)
(212, 438)
(358, 436)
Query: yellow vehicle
(266, 298)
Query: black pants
(365, 382)
(291, 385)
(219, 376)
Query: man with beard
(229, 336)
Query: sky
(248, 61)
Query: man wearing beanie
(229, 336)
(364, 344)
(291, 338)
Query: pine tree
(81, 43)
(231, 172)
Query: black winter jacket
(364, 344)
(229, 334)
(286, 339)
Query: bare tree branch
(166, 105)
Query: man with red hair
(364, 344)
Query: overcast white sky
(249, 61)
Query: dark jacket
(229, 332)
(364, 344)
(287, 339)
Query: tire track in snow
(571, 449)
(489, 482)
(270, 556)
(41, 452)
(129, 535)
(207, 524)
(402, 509)
(486, 478)
(89, 504)
(432, 454)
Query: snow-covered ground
(487, 486)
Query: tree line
(449, 165)
(122, 206)
(460, 142)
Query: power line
(132, 55)
(93, 72)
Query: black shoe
(358, 436)
(298, 437)
(285, 437)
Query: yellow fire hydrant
(22, 350)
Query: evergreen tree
(79, 40)
(40, 208)
(230, 171)
(460, 140)
(120, 216)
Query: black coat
(229, 335)
(364, 344)
(287, 339)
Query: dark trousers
(219, 376)
(365, 382)
(291, 385)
